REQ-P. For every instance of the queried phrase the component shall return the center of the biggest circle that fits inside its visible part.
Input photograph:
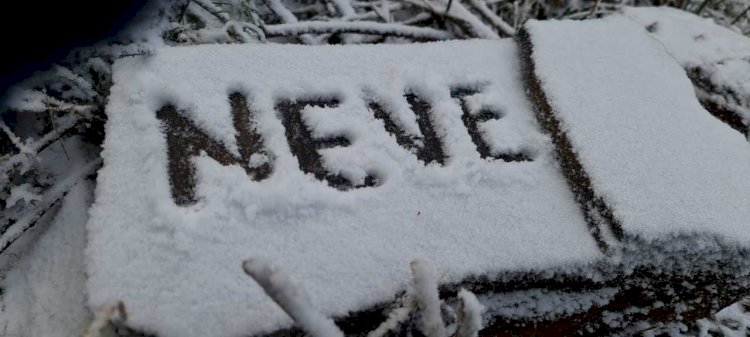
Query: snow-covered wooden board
(654, 157)
(716, 58)
(339, 164)
(662, 182)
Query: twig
(103, 317)
(286, 16)
(39, 145)
(395, 317)
(593, 9)
(367, 28)
(49, 200)
(469, 315)
(702, 6)
(462, 15)
(290, 298)
(737, 19)
(344, 7)
(445, 14)
(495, 20)
(212, 9)
(428, 299)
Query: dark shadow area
(38, 34)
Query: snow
(425, 289)
(471, 322)
(543, 304)
(661, 162)
(173, 266)
(721, 55)
(690, 39)
(729, 76)
(363, 27)
(45, 290)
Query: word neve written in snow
(185, 140)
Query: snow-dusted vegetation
(60, 277)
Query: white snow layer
(690, 39)
(178, 269)
(663, 163)
(722, 55)
(45, 291)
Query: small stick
(293, 300)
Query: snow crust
(663, 164)
(178, 269)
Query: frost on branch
(293, 300)
(469, 314)
(428, 299)
(423, 296)
(109, 313)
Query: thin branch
(395, 317)
(33, 148)
(593, 9)
(293, 300)
(702, 6)
(428, 299)
(212, 9)
(737, 19)
(469, 314)
(49, 200)
(495, 20)
(461, 15)
(367, 28)
(344, 7)
(114, 311)
(447, 9)
(286, 16)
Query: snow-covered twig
(292, 299)
(592, 13)
(114, 311)
(214, 10)
(737, 19)
(344, 7)
(469, 315)
(481, 7)
(31, 149)
(49, 199)
(395, 317)
(371, 28)
(286, 16)
(15, 140)
(460, 14)
(428, 299)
